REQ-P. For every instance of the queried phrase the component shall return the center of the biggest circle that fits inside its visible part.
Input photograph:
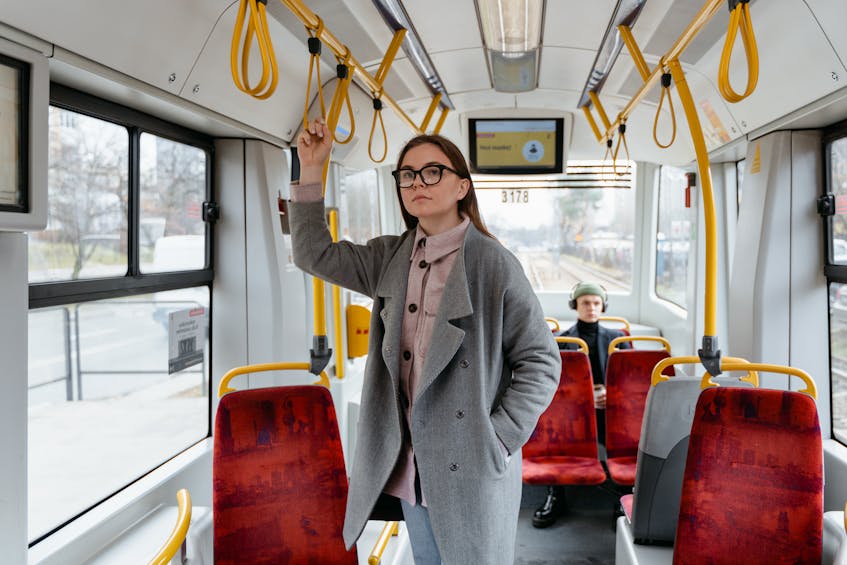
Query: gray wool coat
(492, 369)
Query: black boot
(547, 514)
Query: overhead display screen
(516, 145)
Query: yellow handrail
(627, 338)
(310, 19)
(180, 530)
(553, 322)
(336, 304)
(739, 19)
(810, 389)
(623, 321)
(583, 346)
(657, 376)
(390, 529)
(224, 388)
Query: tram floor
(584, 534)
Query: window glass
(172, 234)
(838, 358)
(86, 235)
(838, 187)
(674, 237)
(360, 205)
(109, 397)
(565, 235)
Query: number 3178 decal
(514, 196)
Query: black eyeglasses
(431, 174)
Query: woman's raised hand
(314, 144)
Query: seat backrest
(279, 480)
(753, 481)
(569, 425)
(628, 374)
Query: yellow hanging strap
(314, 63)
(258, 26)
(342, 96)
(666, 93)
(609, 155)
(739, 19)
(378, 114)
(621, 138)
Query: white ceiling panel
(445, 25)
(574, 23)
(149, 40)
(565, 68)
(462, 70)
(831, 15)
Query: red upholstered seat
(628, 373)
(753, 483)
(563, 448)
(279, 480)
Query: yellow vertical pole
(336, 305)
(699, 140)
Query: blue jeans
(424, 548)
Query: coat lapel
(391, 293)
(455, 304)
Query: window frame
(57, 293)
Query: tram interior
(102, 433)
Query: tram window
(103, 407)
(564, 235)
(673, 238)
(86, 235)
(360, 202)
(110, 396)
(172, 234)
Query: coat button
(464, 363)
(413, 308)
(388, 349)
(407, 355)
(422, 264)
(454, 466)
(460, 414)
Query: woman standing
(460, 365)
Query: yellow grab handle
(224, 388)
(625, 338)
(553, 322)
(739, 19)
(180, 530)
(657, 376)
(624, 321)
(390, 529)
(810, 389)
(577, 340)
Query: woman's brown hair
(467, 205)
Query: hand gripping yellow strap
(258, 25)
(314, 63)
(224, 387)
(739, 19)
(666, 93)
(378, 114)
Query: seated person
(589, 300)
